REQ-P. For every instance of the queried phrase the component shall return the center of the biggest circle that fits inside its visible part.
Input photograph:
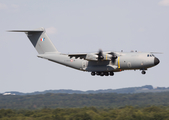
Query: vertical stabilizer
(40, 40)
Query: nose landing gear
(143, 72)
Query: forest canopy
(88, 113)
(101, 100)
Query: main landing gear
(143, 72)
(102, 73)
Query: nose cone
(156, 61)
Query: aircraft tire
(93, 73)
(102, 74)
(106, 73)
(98, 73)
(111, 73)
(143, 72)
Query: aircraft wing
(94, 56)
(81, 56)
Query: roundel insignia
(42, 39)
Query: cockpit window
(150, 55)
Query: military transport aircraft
(101, 63)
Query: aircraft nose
(156, 61)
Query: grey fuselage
(101, 63)
(124, 61)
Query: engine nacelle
(92, 57)
(107, 56)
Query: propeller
(114, 57)
(100, 55)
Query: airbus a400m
(100, 63)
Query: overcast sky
(81, 26)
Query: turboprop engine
(92, 56)
(101, 56)
(107, 57)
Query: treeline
(146, 88)
(106, 100)
(88, 113)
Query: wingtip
(156, 52)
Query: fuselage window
(147, 55)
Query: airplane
(99, 63)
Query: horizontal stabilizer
(25, 31)
(39, 39)
(36, 30)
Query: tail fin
(39, 39)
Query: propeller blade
(114, 57)
(100, 55)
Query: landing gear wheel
(111, 73)
(97, 73)
(93, 73)
(106, 74)
(143, 72)
(102, 74)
